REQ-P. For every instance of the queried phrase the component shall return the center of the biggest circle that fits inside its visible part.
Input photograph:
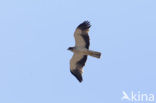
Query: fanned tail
(94, 53)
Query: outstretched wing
(81, 35)
(77, 62)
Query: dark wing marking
(86, 39)
(85, 25)
(81, 35)
(76, 64)
(82, 61)
(77, 74)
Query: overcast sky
(34, 61)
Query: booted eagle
(81, 50)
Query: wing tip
(84, 25)
(77, 74)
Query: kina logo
(137, 97)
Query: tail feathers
(94, 54)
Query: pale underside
(75, 58)
(80, 48)
(79, 40)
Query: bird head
(70, 48)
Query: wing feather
(77, 62)
(81, 35)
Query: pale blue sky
(34, 62)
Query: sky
(34, 60)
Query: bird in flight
(81, 50)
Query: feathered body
(81, 50)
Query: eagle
(81, 50)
